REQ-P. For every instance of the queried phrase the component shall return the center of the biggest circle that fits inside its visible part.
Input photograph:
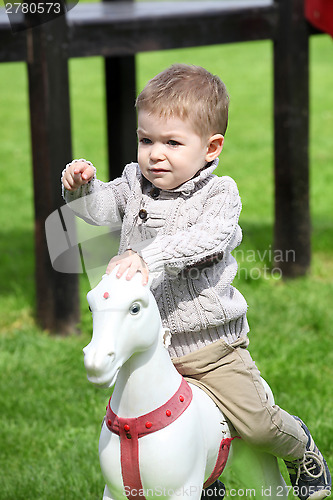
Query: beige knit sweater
(185, 235)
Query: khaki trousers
(230, 377)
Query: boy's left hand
(130, 261)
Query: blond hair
(188, 92)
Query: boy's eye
(145, 140)
(173, 143)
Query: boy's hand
(130, 261)
(77, 174)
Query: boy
(182, 221)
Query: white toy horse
(161, 436)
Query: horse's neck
(145, 382)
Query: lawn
(50, 415)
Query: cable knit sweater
(186, 236)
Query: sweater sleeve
(101, 203)
(214, 231)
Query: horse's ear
(90, 299)
(155, 276)
(150, 280)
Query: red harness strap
(131, 429)
(221, 461)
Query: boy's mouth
(158, 170)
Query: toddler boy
(181, 220)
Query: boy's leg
(229, 375)
(231, 378)
(310, 476)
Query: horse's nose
(94, 362)
(89, 358)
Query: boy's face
(169, 151)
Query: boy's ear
(214, 147)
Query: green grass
(50, 416)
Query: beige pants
(230, 377)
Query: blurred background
(50, 416)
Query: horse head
(126, 321)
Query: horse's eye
(135, 308)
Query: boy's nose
(156, 152)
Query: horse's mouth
(104, 378)
(99, 382)
(104, 382)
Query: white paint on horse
(127, 352)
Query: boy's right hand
(76, 174)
